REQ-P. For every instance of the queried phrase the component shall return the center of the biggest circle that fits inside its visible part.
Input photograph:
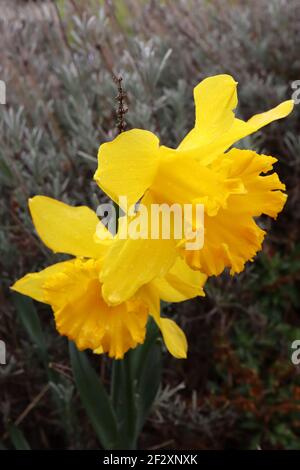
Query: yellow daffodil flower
(73, 288)
(232, 185)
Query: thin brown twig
(34, 402)
(29, 408)
(160, 446)
(121, 109)
(61, 369)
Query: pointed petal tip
(286, 107)
(17, 286)
(31, 201)
(292, 104)
(13, 287)
(221, 79)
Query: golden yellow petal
(32, 283)
(280, 111)
(127, 165)
(131, 263)
(174, 338)
(184, 180)
(239, 129)
(180, 283)
(215, 99)
(149, 294)
(66, 229)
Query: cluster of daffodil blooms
(103, 296)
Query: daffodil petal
(240, 129)
(180, 283)
(150, 295)
(174, 338)
(131, 263)
(66, 229)
(184, 180)
(215, 99)
(32, 284)
(127, 165)
(262, 119)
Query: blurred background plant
(238, 388)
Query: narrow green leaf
(94, 399)
(149, 374)
(135, 381)
(126, 404)
(29, 318)
(17, 437)
(140, 354)
(5, 173)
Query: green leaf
(29, 318)
(5, 173)
(150, 374)
(94, 399)
(125, 402)
(17, 437)
(135, 382)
